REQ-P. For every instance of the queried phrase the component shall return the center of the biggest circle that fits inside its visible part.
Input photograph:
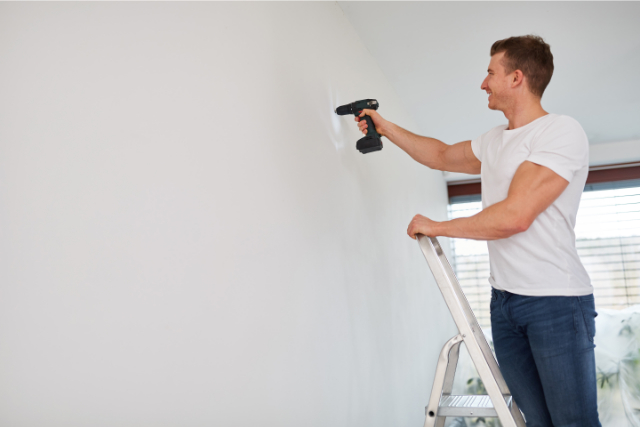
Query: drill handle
(371, 129)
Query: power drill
(371, 142)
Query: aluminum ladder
(442, 403)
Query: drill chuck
(343, 110)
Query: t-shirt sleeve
(563, 147)
(476, 147)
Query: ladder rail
(456, 301)
(471, 333)
(442, 380)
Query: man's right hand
(378, 121)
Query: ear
(516, 78)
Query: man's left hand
(421, 225)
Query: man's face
(496, 84)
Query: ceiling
(435, 54)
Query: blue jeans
(544, 346)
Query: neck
(523, 112)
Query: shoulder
(560, 122)
(561, 146)
(496, 131)
(492, 133)
(561, 137)
(479, 144)
(563, 130)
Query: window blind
(607, 239)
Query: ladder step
(468, 406)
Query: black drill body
(371, 142)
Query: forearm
(498, 221)
(425, 150)
(532, 190)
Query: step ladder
(442, 403)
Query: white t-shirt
(543, 260)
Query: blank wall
(188, 236)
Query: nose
(484, 85)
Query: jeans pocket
(588, 308)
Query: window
(470, 261)
(607, 238)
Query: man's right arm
(430, 152)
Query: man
(533, 171)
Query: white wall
(188, 236)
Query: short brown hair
(529, 54)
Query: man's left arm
(533, 189)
